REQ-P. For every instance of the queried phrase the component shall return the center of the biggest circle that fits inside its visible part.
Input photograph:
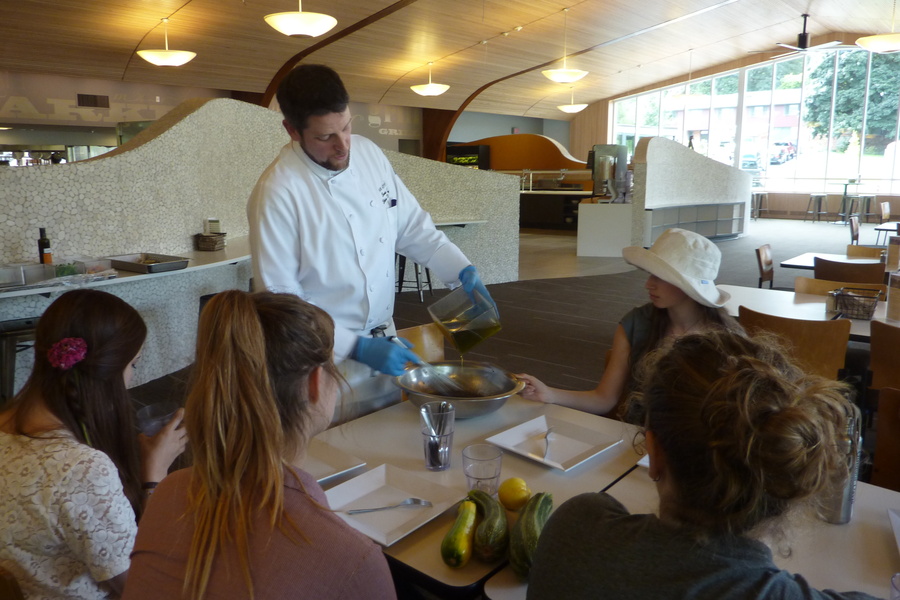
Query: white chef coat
(330, 236)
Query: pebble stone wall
(201, 160)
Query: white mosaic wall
(454, 193)
(201, 160)
(169, 305)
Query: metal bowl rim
(518, 387)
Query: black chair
(417, 271)
(14, 336)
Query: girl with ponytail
(245, 521)
(72, 475)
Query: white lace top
(65, 523)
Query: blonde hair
(745, 433)
(247, 409)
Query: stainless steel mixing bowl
(487, 387)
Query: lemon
(513, 493)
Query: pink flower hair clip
(67, 352)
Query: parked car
(750, 163)
(782, 152)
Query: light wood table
(810, 307)
(858, 556)
(807, 260)
(392, 436)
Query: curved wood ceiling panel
(238, 51)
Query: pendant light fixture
(882, 42)
(564, 75)
(571, 107)
(429, 89)
(301, 24)
(167, 58)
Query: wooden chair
(885, 361)
(9, 587)
(427, 340)
(820, 287)
(886, 459)
(854, 229)
(885, 212)
(766, 265)
(818, 347)
(855, 251)
(850, 272)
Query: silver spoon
(407, 502)
(547, 441)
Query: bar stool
(417, 270)
(814, 206)
(866, 202)
(849, 208)
(759, 202)
(13, 335)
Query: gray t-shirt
(592, 548)
(636, 324)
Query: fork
(547, 441)
(407, 502)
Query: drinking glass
(481, 464)
(437, 433)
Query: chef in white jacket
(325, 224)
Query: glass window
(697, 107)
(723, 119)
(784, 131)
(648, 115)
(847, 118)
(672, 126)
(626, 111)
(754, 156)
(878, 163)
(809, 123)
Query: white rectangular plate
(385, 485)
(570, 444)
(895, 524)
(324, 461)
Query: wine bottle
(45, 253)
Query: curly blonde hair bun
(744, 431)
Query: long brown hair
(90, 398)
(247, 409)
(711, 317)
(745, 433)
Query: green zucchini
(524, 536)
(456, 548)
(492, 534)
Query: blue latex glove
(385, 354)
(471, 283)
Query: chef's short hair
(311, 90)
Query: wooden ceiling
(624, 44)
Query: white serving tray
(324, 461)
(385, 485)
(570, 444)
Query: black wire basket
(857, 303)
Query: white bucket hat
(687, 260)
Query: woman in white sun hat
(682, 267)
